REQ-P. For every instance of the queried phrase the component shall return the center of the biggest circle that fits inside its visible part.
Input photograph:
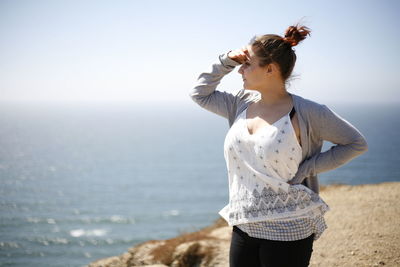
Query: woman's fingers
(239, 55)
(247, 53)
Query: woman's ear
(272, 68)
(269, 69)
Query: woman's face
(253, 75)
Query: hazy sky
(154, 50)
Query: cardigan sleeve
(348, 144)
(204, 92)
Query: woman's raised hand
(239, 55)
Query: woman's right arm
(204, 92)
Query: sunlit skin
(275, 101)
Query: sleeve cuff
(227, 62)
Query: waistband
(246, 235)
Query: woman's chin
(246, 86)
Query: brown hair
(271, 48)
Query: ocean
(81, 182)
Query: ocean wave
(93, 232)
(86, 220)
(171, 213)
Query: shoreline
(363, 230)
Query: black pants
(247, 251)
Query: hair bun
(296, 34)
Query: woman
(273, 152)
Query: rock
(142, 253)
(117, 261)
(203, 248)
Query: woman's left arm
(349, 143)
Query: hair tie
(289, 42)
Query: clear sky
(68, 50)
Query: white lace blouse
(277, 211)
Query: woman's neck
(273, 97)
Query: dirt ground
(363, 226)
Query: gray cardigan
(317, 123)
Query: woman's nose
(241, 69)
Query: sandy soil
(363, 226)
